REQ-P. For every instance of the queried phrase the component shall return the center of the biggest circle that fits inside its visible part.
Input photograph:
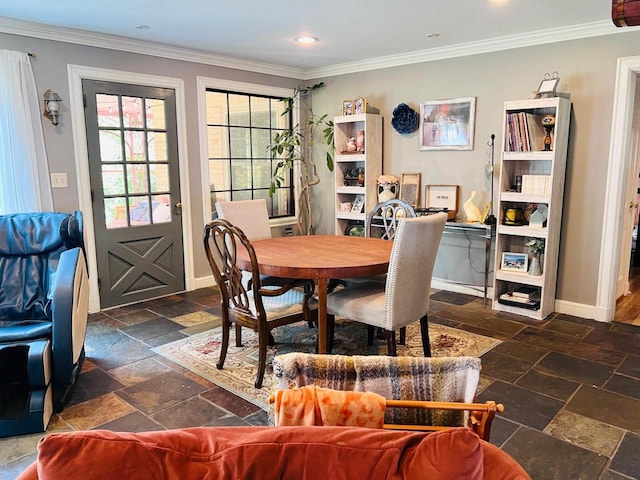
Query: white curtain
(24, 171)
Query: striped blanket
(442, 379)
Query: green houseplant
(296, 146)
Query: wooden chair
(261, 308)
(404, 298)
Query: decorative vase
(535, 267)
(387, 192)
(360, 140)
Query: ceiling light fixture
(432, 35)
(306, 40)
(143, 27)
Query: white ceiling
(349, 32)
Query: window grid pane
(240, 127)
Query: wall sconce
(52, 105)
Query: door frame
(618, 170)
(76, 73)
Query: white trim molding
(76, 74)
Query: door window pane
(155, 114)
(135, 146)
(137, 181)
(139, 211)
(159, 176)
(132, 112)
(108, 110)
(115, 212)
(113, 179)
(161, 212)
(110, 146)
(157, 143)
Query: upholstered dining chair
(404, 298)
(261, 308)
(252, 217)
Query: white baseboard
(579, 310)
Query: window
(240, 127)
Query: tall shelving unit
(537, 167)
(368, 161)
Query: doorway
(617, 221)
(77, 74)
(133, 165)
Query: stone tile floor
(570, 386)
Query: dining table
(319, 258)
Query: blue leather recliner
(44, 298)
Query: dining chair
(252, 217)
(404, 298)
(261, 308)
(382, 221)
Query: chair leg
(424, 333)
(263, 335)
(226, 326)
(331, 327)
(403, 335)
(370, 332)
(391, 343)
(238, 335)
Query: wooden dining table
(320, 258)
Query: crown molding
(539, 37)
(81, 37)
(113, 42)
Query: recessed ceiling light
(306, 39)
(142, 27)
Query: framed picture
(447, 124)
(358, 204)
(347, 107)
(359, 105)
(410, 189)
(548, 85)
(517, 262)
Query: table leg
(323, 340)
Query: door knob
(178, 208)
(633, 205)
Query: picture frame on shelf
(347, 107)
(410, 188)
(447, 124)
(345, 207)
(358, 204)
(548, 85)
(359, 105)
(515, 262)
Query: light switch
(59, 180)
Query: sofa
(270, 453)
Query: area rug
(199, 353)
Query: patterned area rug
(199, 353)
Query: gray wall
(587, 69)
(50, 70)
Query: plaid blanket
(442, 379)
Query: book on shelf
(525, 292)
(525, 132)
(536, 184)
(532, 303)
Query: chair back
(410, 270)
(250, 216)
(222, 241)
(383, 220)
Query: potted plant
(296, 146)
(536, 247)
